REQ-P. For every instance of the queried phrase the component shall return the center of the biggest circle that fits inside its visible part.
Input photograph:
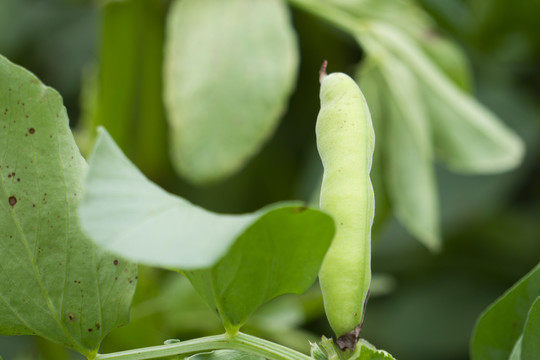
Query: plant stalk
(240, 342)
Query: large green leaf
(128, 215)
(53, 281)
(502, 324)
(229, 69)
(410, 176)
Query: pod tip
(322, 71)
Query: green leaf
(467, 136)
(225, 355)
(127, 214)
(410, 176)
(530, 347)
(408, 18)
(365, 351)
(327, 350)
(275, 250)
(501, 325)
(281, 253)
(53, 281)
(224, 99)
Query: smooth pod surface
(345, 140)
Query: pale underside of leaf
(129, 215)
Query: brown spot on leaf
(98, 326)
(115, 262)
(71, 316)
(90, 330)
(12, 201)
(299, 209)
(31, 130)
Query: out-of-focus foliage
(489, 224)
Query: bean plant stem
(240, 341)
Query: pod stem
(322, 71)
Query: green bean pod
(346, 140)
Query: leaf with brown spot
(54, 282)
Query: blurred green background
(425, 305)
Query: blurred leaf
(412, 20)
(281, 253)
(229, 69)
(225, 355)
(370, 80)
(410, 176)
(500, 326)
(467, 136)
(129, 93)
(53, 281)
(530, 347)
(448, 57)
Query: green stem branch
(240, 341)
(333, 15)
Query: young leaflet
(345, 140)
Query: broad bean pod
(345, 141)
